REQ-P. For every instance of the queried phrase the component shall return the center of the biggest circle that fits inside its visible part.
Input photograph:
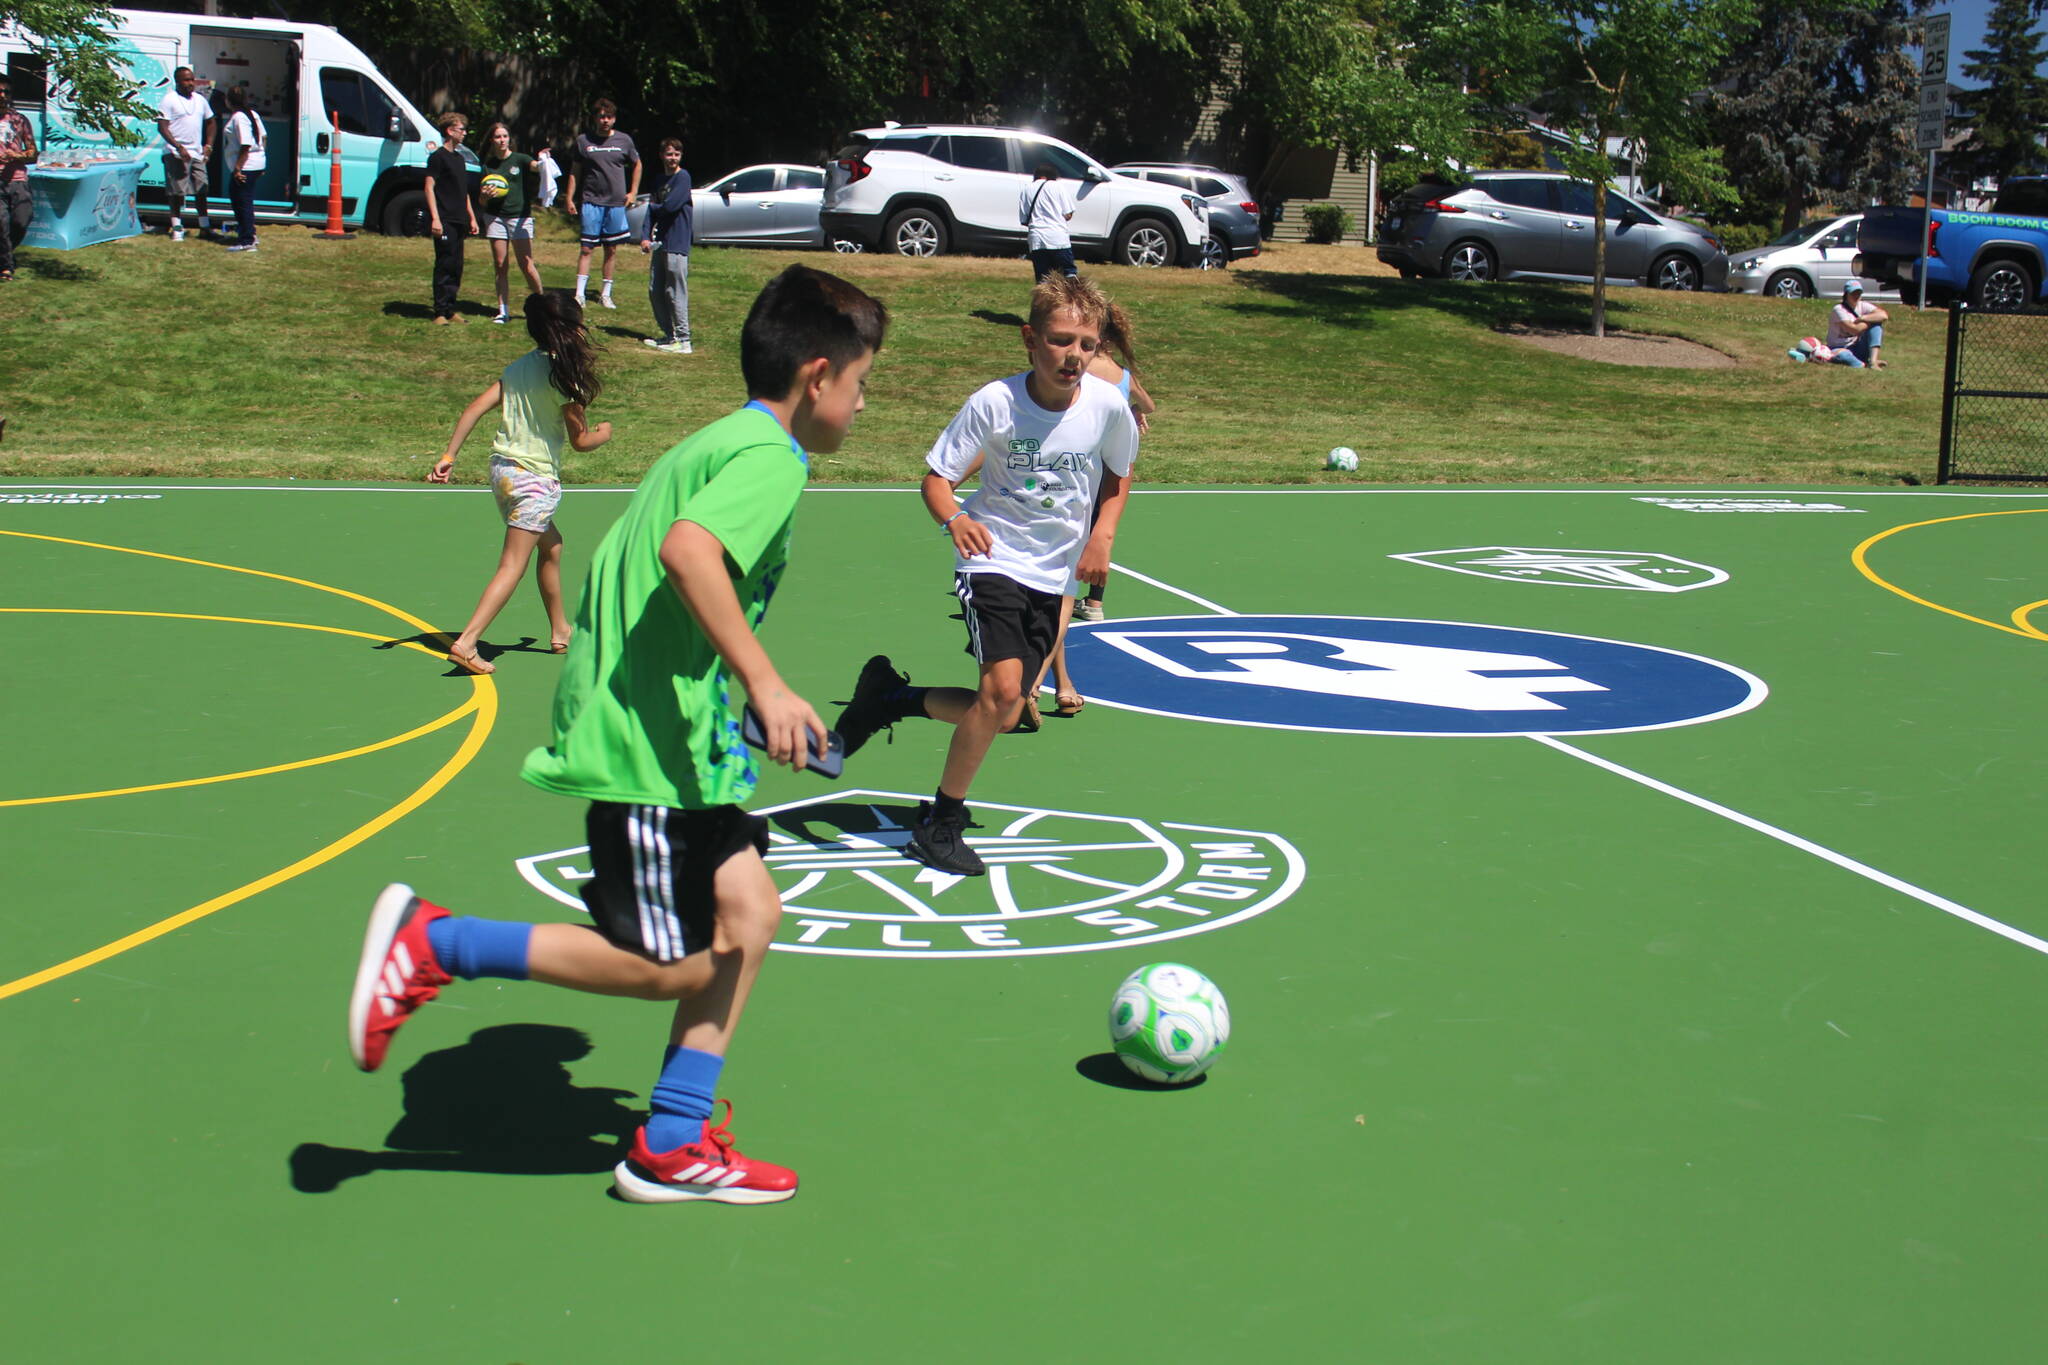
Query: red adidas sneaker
(711, 1169)
(397, 974)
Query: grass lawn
(318, 360)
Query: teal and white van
(298, 76)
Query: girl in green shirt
(526, 462)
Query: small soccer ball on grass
(1343, 457)
(1168, 1022)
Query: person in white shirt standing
(185, 120)
(245, 165)
(1044, 208)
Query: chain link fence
(1994, 400)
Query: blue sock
(470, 948)
(682, 1098)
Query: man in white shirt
(185, 119)
(1856, 330)
(1044, 208)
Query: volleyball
(495, 186)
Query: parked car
(923, 189)
(755, 206)
(1996, 260)
(1814, 258)
(1538, 224)
(1233, 209)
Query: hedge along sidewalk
(315, 360)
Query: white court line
(1841, 860)
(1751, 493)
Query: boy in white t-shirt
(1054, 444)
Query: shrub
(1326, 223)
(1742, 236)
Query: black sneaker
(940, 841)
(868, 711)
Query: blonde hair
(1056, 293)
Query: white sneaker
(579, 298)
(1087, 609)
(502, 318)
(671, 347)
(606, 300)
(177, 234)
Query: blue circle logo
(1386, 676)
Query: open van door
(267, 65)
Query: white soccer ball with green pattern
(1343, 457)
(1168, 1022)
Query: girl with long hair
(544, 396)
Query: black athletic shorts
(1006, 620)
(650, 889)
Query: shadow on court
(438, 641)
(999, 319)
(1106, 1068)
(501, 1104)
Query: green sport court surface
(1714, 1042)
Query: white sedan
(773, 205)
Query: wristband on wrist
(947, 524)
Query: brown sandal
(1028, 719)
(471, 662)
(1069, 705)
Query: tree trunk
(1600, 257)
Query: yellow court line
(2020, 614)
(483, 707)
(2021, 627)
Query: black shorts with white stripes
(652, 867)
(1006, 620)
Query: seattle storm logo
(1058, 881)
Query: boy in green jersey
(647, 729)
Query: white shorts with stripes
(652, 870)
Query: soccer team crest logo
(1058, 881)
(1630, 570)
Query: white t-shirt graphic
(1040, 473)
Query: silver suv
(925, 189)
(1509, 224)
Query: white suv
(921, 189)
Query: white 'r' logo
(1420, 675)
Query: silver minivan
(1815, 258)
(1512, 224)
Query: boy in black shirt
(449, 212)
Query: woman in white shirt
(245, 163)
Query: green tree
(1819, 98)
(1630, 72)
(74, 38)
(2009, 110)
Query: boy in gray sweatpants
(668, 246)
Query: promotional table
(83, 198)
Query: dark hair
(1056, 292)
(605, 107)
(669, 142)
(555, 322)
(493, 126)
(1046, 171)
(238, 103)
(800, 315)
(184, 71)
